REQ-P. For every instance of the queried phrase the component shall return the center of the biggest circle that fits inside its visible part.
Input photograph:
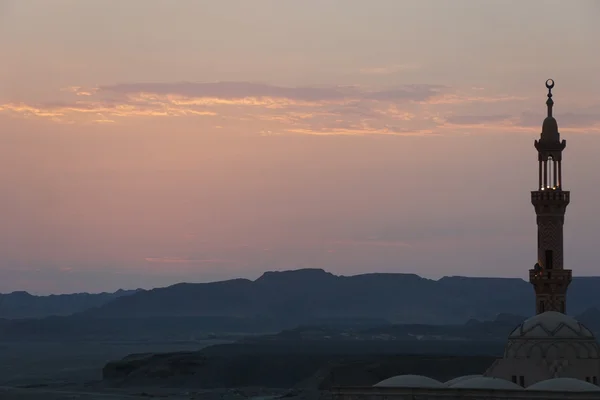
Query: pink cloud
(373, 242)
(183, 260)
(270, 110)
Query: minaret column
(549, 278)
(559, 173)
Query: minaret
(549, 278)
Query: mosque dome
(551, 324)
(552, 336)
(410, 381)
(484, 382)
(461, 378)
(564, 385)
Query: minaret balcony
(550, 195)
(553, 275)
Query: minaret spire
(550, 102)
(548, 277)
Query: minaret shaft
(549, 278)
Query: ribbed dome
(485, 382)
(552, 336)
(564, 385)
(410, 381)
(551, 324)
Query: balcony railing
(556, 275)
(550, 195)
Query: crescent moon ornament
(550, 83)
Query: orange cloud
(389, 69)
(458, 98)
(79, 91)
(525, 122)
(97, 111)
(274, 110)
(361, 132)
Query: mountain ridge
(302, 295)
(315, 293)
(22, 304)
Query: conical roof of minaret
(550, 126)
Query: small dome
(551, 324)
(410, 381)
(461, 378)
(485, 382)
(564, 385)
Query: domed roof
(564, 385)
(410, 381)
(550, 130)
(551, 324)
(485, 382)
(461, 378)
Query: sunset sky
(149, 142)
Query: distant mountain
(473, 330)
(25, 305)
(591, 319)
(401, 306)
(301, 296)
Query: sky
(149, 142)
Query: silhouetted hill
(327, 355)
(591, 319)
(398, 306)
(301, 364)
(296, 297)
(473, 330)
(24, 305)
(330, 330)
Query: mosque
(548, 356)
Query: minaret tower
(549, 278)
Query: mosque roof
(564, 385)
(461, 378)
(410, 381)
(485, 382)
